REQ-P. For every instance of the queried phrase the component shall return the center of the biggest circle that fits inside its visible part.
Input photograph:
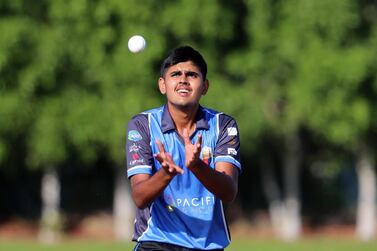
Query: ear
(161, 85)
(206, 86)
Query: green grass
(69, 245)
(320, 244)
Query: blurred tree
(329, 88)
(69, 84)
(305, 61)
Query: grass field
(320, 244)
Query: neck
(183, 117)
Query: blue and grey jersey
(186, 213)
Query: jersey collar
(167, 123)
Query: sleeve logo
(136, 160)
(232, 131)
(232, 151)
(134, 135)
(134, 148)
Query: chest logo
(206, 154)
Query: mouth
(183, 92)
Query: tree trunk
(366, 207)
(124, 209)
(292, 158)
(50, 220)
(284, 210)
(273, 195)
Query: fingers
(177, 168)
(192, 154)
(162, 161)
(164, 164)
(159, 158)
(197, 147)
(198, 143)
(160, 148)
(186, 136)
(166, 160)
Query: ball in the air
(136, 44)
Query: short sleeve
(228, 142)
(139, 156)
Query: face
(183, 85)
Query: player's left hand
(192, 150)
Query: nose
(183, 79)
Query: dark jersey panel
(228, 143)
(141, 222)
(138, 150)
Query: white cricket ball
(136, 44)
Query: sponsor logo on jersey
(134, 148)
(195, 202)
(232, 131)
(191, 205)
(134, 135)
(137, 162)
(135, 156)
(136, 159)
(232, 151)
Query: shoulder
(228, 125)
(221, 116)
(210, 111)
(153, 111)
(225, 118)
(143, 117)
(138, 120)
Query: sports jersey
(186, 213)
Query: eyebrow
(175, 72)
(189, 73)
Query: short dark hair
(183, 54)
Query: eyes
(188, 74)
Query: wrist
(167, 174)
(197, 165)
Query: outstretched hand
(166, 160)
(192, 150)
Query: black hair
(183, 54)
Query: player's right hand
(166, 160)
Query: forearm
(145, 191)
(219, 183)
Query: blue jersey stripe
(138, 170)
(148, 224)
(229, 159)
(225, 222)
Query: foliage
(69, 84)
(308, 67)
